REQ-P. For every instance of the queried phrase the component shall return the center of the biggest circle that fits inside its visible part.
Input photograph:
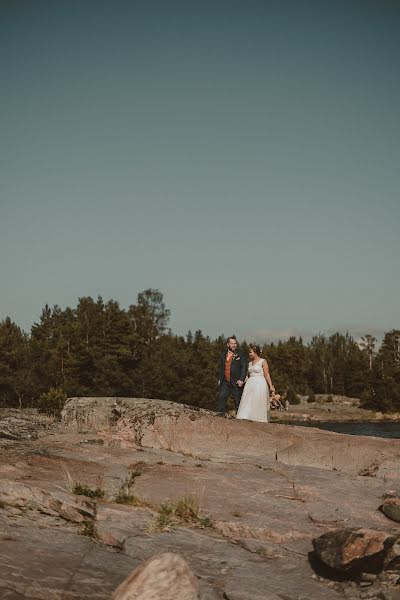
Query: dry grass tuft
(184, 511)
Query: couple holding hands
(246, 380)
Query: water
(379, 429)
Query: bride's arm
(267, 375)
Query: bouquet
(275, 401)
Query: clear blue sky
(242, 157)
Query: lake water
(384, 430)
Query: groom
(232, 373)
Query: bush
(185, 511)
(311, 397)
(292, 397)
(52, 402)
(383, 395)
(84, 490)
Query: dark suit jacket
(238, 367)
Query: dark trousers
(225, 389)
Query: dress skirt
(254, 404)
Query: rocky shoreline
(134, 498)
(332, 412)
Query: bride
(254, 404)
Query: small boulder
(390, 494)
(57, 503)
(165, 576)
(352, 551)
(391, 508)
(392, 558)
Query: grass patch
(74, 487)
(132, 476)
(83, 490)
(129, 481)
(88, 528)
(204, 522)
(139, 463)
(166, 518)
(131, 500)
(185, 511)
(124, 495)
(42, 451)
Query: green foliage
(204, 522)
(52, 402)
(88, 528)
(187, 509)
(292, 397)
(125, 495)
(184, 511)
(84, 490)
(311, 397)
(99, 348)
(15, 376)
(383, 395)
(166, 517)
(382, 390)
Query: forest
(99, 348)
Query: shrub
(368, 400)
(311, 397)
(382, 395)
(185, 511)
(52, 402)
(292, 397)
(166, 517)
(84, 490)
(88, 528)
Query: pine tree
(368, 343)
(15, 375)
(384, 389)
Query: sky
(243, 157)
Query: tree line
(101, 349)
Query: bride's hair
(256, 348)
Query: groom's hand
(239, 382)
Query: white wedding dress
(254, 404)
